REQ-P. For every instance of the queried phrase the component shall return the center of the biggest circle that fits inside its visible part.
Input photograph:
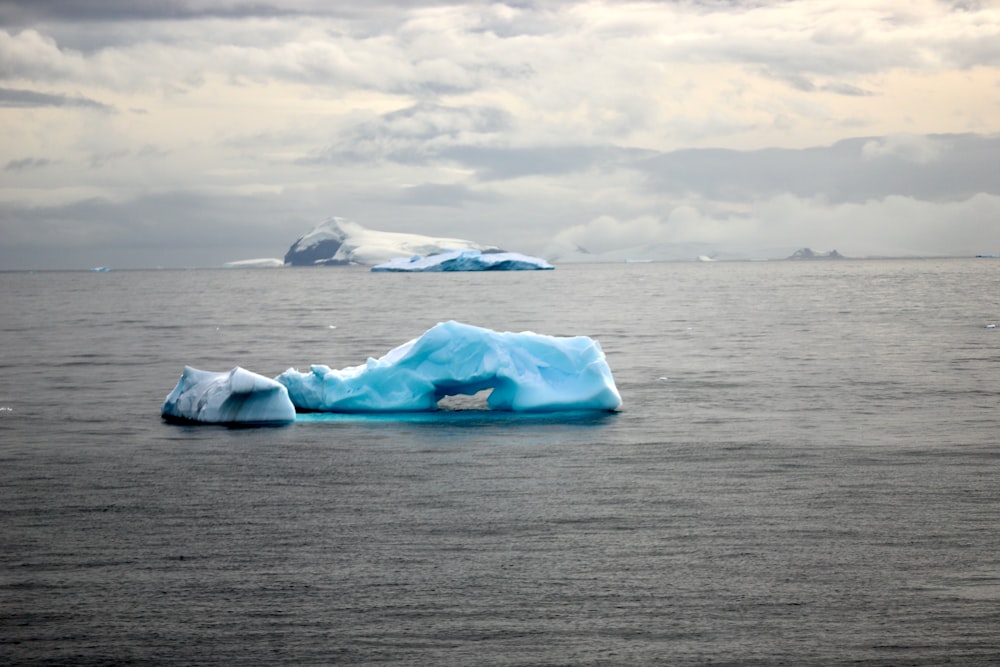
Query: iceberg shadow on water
(462, 418)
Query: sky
(198, 132)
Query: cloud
(443, 194)
(471, 138)
(857, 169)
(103, 11)
(31, 55)
(774, 227)
(893, 225)
(172, 228)
(506, 163)
(415, 134)
(22, 13)
(906, 147)
(27, 163)
(26, 99)
(846, 89)
(606, 233)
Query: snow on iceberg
(236, 397)
(527, 372)
(337, 241)
(465, 260)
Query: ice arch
(526, 372)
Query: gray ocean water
(805, 471)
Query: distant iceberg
(465, 260)
(236, 397)
(339, 241)
(261, 263)
(527, 372)
(809, 253)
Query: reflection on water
(446, 418)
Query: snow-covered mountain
(338, 241)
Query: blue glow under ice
(465, 260)
(527, 372)
(236, 397)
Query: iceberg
(237, 397)
(465, 260)
(809, 253)
(338, 241)
(526, 372)
(259, 263)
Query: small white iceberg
(259, 263)
(237, 397)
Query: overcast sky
(193, 133)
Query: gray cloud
(97, 160)
(805, 84)
(416, 134)
(443, 194)
(428, 134)
(27, 163)
(27, 12)
(17, 98)
(32, 11)
(960, 166)
(175, 228)
(506, 163)
(841, 88)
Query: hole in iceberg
(475, 401)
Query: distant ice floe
(259, 263)
(464, 260)
(524, 372)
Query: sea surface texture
(805, 471)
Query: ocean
(805, 471)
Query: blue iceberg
(527, 372)
(465, 260)
(523, 372)
(236, 397)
